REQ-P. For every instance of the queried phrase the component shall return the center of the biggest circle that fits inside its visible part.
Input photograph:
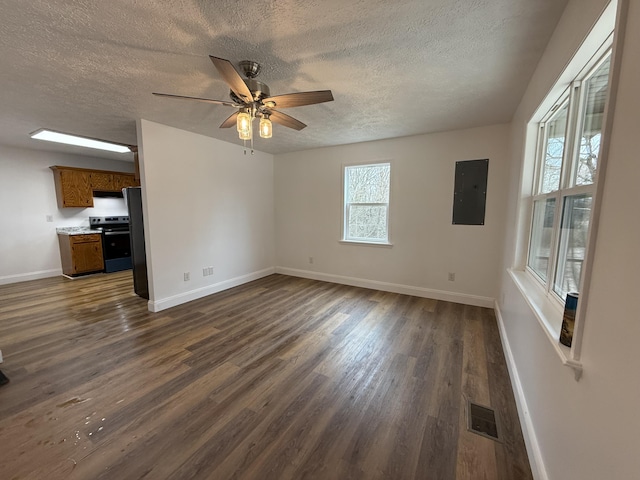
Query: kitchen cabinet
(102, 181)
(75, 186)
(124, 180)
(81, 253)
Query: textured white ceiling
(396, 68)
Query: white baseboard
(25, 277)
(174, 300)
(531, 442)
(391, 287)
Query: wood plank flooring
(281, 378)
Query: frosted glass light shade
(243, 122)
(266, 129)
(245, 134)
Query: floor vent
(483, 421)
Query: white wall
(206, 204)
(28, 243)
(587, 429)
(426, 246)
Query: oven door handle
(115, 233)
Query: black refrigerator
(133, 199)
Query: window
(366, 203)
(567, 165)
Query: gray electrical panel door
(470, 192)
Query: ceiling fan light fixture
(266, 128)
(245, 133)
(253, 99)
(243, 122)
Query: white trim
(536, 461)
(345, 206)
(607, 130)
(179, 299)
(455, 297)
(597, 40)
(610, 25)
(25, 277)
(362, 242)
(547, 311)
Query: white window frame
(575, 97)
(346, 206)
(608, 32)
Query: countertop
(75, 231)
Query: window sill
(549, 314)
(369, 244)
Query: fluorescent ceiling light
(67, 139)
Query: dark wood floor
(281, 378)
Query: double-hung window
(569, 139)
(366, 203)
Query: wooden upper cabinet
(75, 186)
(102, 181)
(124, 180)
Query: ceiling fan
(253, 99)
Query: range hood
(98, 193)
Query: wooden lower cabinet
(81, 253)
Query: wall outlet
(310, 259)
(452, 277)
(206, 271)
(49, 218)
(187, 276)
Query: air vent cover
(483, 421)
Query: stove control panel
(106, 221)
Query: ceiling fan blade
(285, 120)
(231, 121)
(300, 99)
(230, 75)
(207, 100)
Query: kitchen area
(108, 243)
